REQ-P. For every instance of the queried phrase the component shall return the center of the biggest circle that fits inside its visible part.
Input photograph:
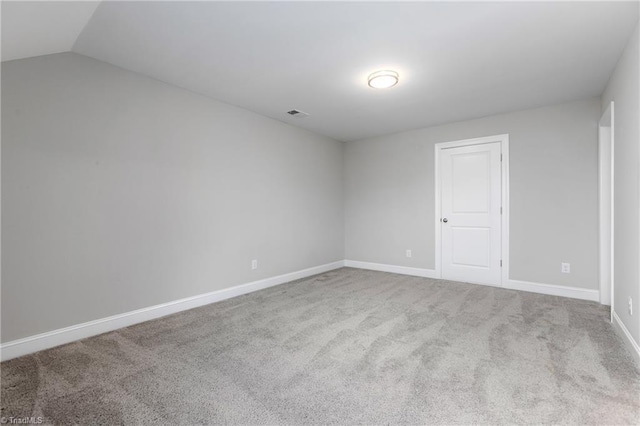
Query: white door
(470, 219)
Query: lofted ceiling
(456, 60)
(34, 28)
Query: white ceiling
(456, 60)
(34, 28)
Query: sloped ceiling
(35, 28)
(456, 60)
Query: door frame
(606, 164)
(504, 144)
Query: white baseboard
(61, 336)
(554, 290)
(403, 270)
(629, 341)
(551, 289)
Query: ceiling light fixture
(383, 79)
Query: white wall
(624, 90)
(389, 190)
(121, 192)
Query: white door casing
(471, 194)
(605, 195)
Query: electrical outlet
(630, 306)
(408, 253)
(254, 264)
(565, 268)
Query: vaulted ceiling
(456, 60)
(34, 28)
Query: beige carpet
(345, 347)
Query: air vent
(297, 113)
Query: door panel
(471, 196)
(470, 246)
(470, 186)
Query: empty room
(291, 213)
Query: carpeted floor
(344, 347)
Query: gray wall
(389, 190)
(121, 192)
(623, 88)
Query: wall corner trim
(630, 343)
(50, 339)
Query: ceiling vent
(297, 113)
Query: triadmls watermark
(21, 420)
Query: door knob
(445, 220)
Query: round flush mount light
(383, 79)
